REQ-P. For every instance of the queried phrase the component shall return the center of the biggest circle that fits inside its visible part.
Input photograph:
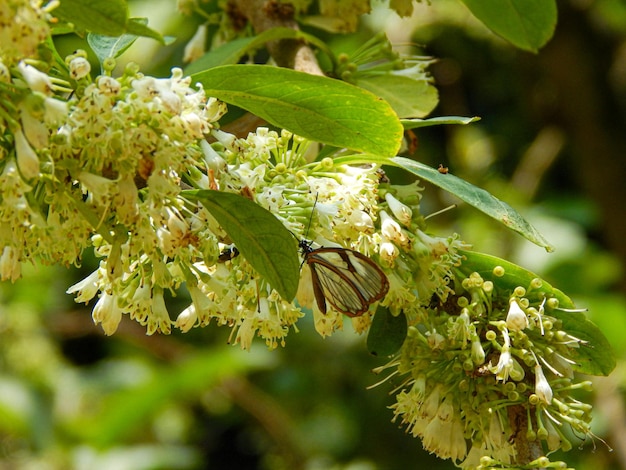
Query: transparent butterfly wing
(348, 280)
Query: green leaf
(387, 332)
(233, 51)
(514, 276)
(417, 123)
(473, 195)
(107, 46)
(595, 357)
(139, 27)
(317, 108)
(477, 197)
(99, 16)
(407, 97)
(259, 236)
(528, 24)
(228, 53)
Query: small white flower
(108, 313)
(187, 319)
(388, 252)
(10, 267)
(86, 289)
(79, 68)
(27, 159)
(36, 80)
(361, 221)
(554, 437)
(159, 318)
(56, 110)
(542, 387)
(391, 230)
(478, 353)
(195, 48)
(213, 159)
(401, 211)
(34, 129)
(505, 363)
(109, 86)
(516, 319)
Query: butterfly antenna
(445, 209)
(306, 234)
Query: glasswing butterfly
(345, 278)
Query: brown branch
(268, 14)
(526, 451)
(272, 417)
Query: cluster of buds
(489, 357)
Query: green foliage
(151, 415)
(317, 108)
(528, 24)
(473, 195)
(387, 333)
(233, 51)
(259, 236)
(595, 356)
(107, 18)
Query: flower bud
(108, 313)
(401, 211)
(391, 230)
(516, 319)
(36, 80)
(79, 68)
(27, 159)
(195, 48)
(187, 319)
(542, 387)
(388, 252)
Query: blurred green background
(551, 142)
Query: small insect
(228, 254)
(442, 169)
(347, 279)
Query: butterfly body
(228, 254)
(347, 279)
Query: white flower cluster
(23, 27)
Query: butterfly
(346, 279)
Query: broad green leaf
(407, 97)
(528, 24)
(387, 333)
(595, 357)
(514, 276)
(233, 51)
(228, 53)
(139, 27)
(317, 108)
(259, 236)
(473, 195)
(98, 16)
(108, 46)
(477, 197)
(417, 123)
